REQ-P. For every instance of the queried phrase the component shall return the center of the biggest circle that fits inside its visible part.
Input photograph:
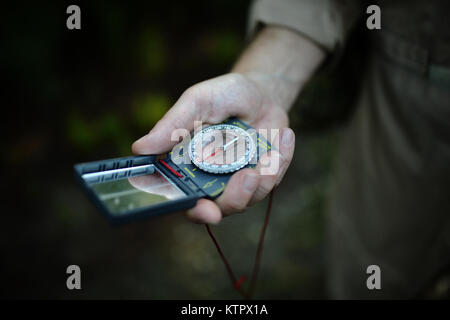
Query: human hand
(211, 102)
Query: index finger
(211, 101)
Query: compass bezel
(225, 168)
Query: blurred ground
(76, 96)
(168, 257)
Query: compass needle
(231, 159)
(230, 143)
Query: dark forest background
(73, 96)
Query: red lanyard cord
(260, 247)
(237, 283)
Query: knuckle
(284, 162)
(272, 164)
(265, 188)
(280, 176)
(236, 78)
(192, 93)
(236, 207)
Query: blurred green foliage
(76, 96)
(88, 94)
(221, 47)
(81, 134)
(152, 51)
(148, 109)
(86, 134)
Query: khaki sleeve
(326, 22)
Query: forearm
(280, 61)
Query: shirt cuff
(326, 22)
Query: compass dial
(222, 148)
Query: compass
(222, 148)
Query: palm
(212, 102)
(235, 95)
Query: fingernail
(288, 137)
(250, 183)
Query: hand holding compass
(212, 102)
